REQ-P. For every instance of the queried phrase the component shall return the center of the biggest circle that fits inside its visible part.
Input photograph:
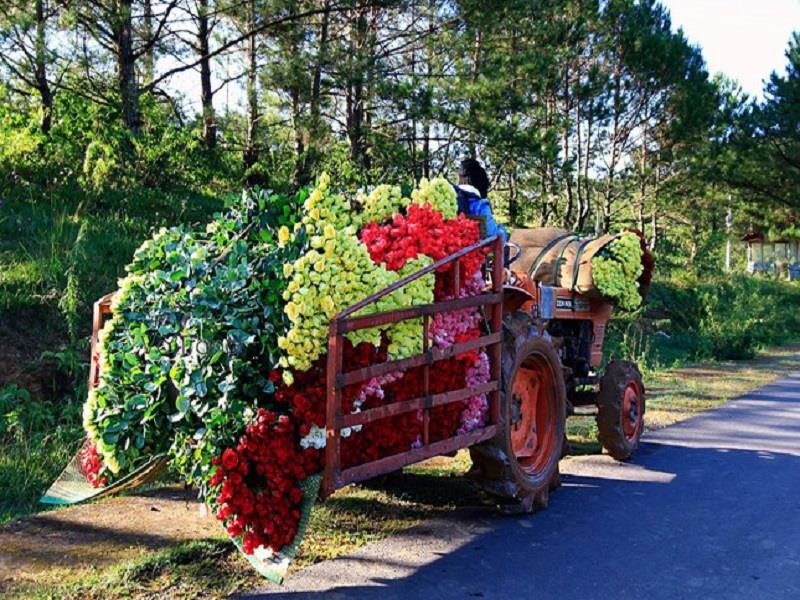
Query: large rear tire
(621, 405)
(518, 467)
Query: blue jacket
(472, 205)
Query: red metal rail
(102, 309)
(334, 477)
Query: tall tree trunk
(587, 185)
(42, 85)
(545, 201)
(300, 176)
(355, 97)
(315, 128)
(476, 66)
(292, 44)
(149, 58)
(643, 180)
(206, 92)
(567, 218)
(426, 121)
(126, 66)
(251, 154)
(577, 224)
(615, 133)
(412, 145)
(551, 212)
(513, 201)
(654, 214)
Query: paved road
(710, 508)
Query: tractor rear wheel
(620, 414)
(518, 467)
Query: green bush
(721, 318)
(37, 438)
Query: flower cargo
(213, 355)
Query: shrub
(723, 318)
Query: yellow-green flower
(283, 236)
(292, 310)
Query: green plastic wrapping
(274, 566)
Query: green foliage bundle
(193, 337)
(616, 270)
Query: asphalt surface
(709, 508)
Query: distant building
(779, 257)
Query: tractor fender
(516, 298)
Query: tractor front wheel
(620, 409)
(518, 468)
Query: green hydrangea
(439, 194)
(382, 203)
(616, 270)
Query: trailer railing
(102, 309)
(337, 379)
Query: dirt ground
(92, 536)
(21, 362)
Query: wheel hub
(631, 415)
(516, 411)
(532, 416)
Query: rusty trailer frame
(490, 300)
(102, 309)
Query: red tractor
(551, 359)
(546, 346)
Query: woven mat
(72, 486)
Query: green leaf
(138, 401)
(182, 404)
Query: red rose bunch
(91, 464)
(255, 484)
(306, 397)
(422, 231)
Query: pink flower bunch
(473, 285)
(446, 327)
(474, 414)
(374, 387)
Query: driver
(472, 189)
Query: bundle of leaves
(188, 351)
